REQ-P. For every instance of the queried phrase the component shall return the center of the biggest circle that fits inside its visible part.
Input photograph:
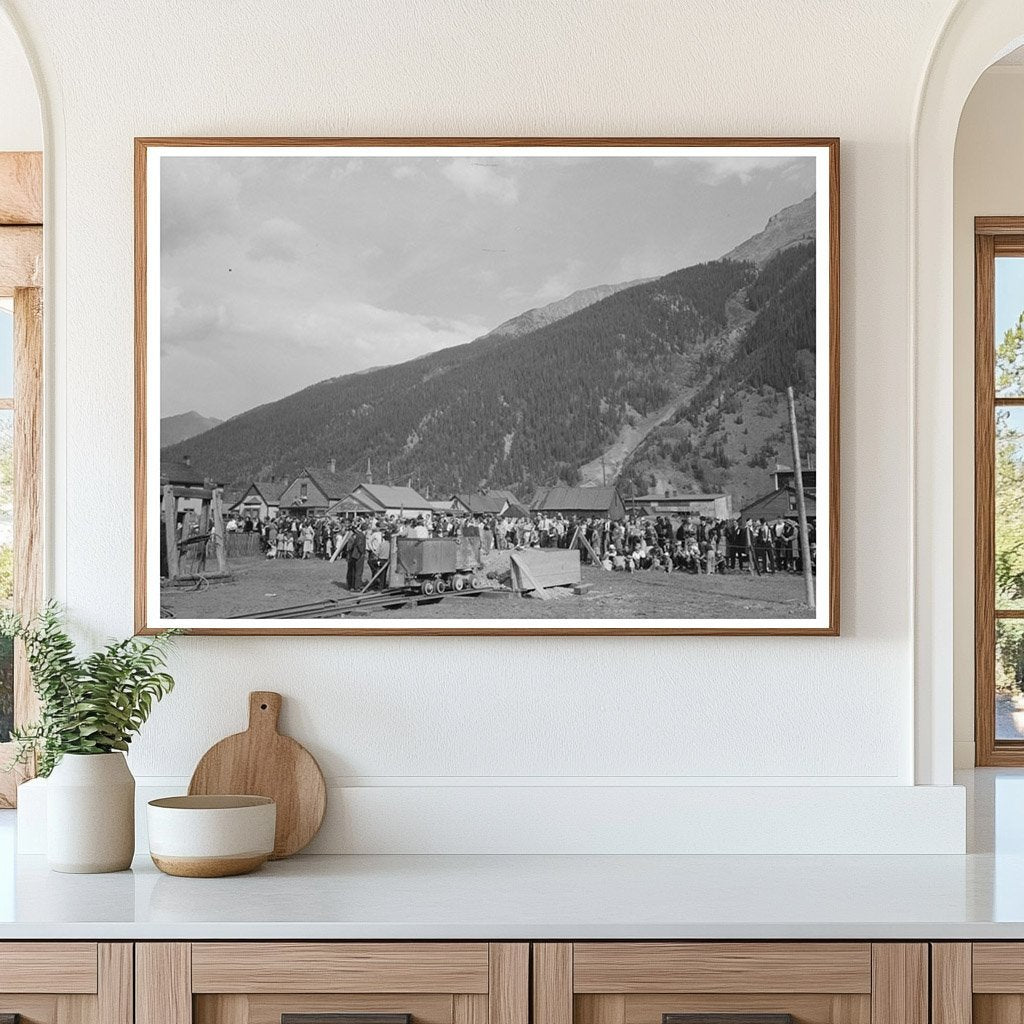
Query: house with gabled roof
(605, 502)
(313, 492)
(383, 499)
(260, 500)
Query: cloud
(715, 170)
(560, 284)
(278, 239)
(480, 180)
(224, 357)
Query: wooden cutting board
(262, 762)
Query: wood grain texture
(31, 1009)
(984, 502)
(346, 1018)
(226, 1009)
(998, 967)
(76, 1009)
(758, 967)
(999, 226)
(998, 1009)
(262, 762)
(65, 967)
(508, 993)
(141, 499)
(603, 1009)
(304, 967)
(951, 983)
(21, 258)
(115, 995)
(28, 483)
(466, 1009)
(552, 983)
(269, 1008)
(21, 188)
(163, 983)
(805, 1008)
(899, 991)
(729, 1018)
(143, 145)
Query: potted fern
(90, 708)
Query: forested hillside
(730, 433)
(522, 414)
(684, 376)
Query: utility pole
(801, 505)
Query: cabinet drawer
(635, 967)
(66, 982)
(730, 983)
(332, 983)
(340, 967)
(64, 967)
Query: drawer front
(66, 982)
(981, 982)
(64, 967)
(730, 983)
(754, 967)
(332, 983)
(340, 967)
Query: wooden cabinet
(755, 982)
(66, 982)
(978, 983)
(308, 982)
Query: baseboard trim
(716, 820)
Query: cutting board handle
(264, 710)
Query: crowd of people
(693, 543)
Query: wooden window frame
(21, 278)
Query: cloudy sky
(277, 272)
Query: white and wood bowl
(211, 836)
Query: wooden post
(801, 506)
(170, 513)
(220, 546)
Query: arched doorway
(976, 34)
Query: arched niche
(974, 36)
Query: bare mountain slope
(533, 319)
(790, 226)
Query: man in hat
(355, 553)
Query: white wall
(987, 181)
(429, 716)
(21, 127)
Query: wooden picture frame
(817, 618)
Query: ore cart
(435, 564)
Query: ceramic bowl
(211, 836)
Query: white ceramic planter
(90, 814)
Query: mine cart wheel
(441, 586)
(477, 583)
(458, 584)
(428, 587)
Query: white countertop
(978, 896)
(516, 897)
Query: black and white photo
(459, 386)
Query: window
(21, 369)
(999, 490)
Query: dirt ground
(260, 585)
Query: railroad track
(337, 607)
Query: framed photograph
(499, 386)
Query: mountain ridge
(537, 408)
